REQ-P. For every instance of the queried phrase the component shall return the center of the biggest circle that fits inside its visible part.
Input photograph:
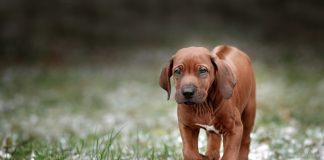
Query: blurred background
(79, 79)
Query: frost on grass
(144, 132)
(288, 142)
(75, 114)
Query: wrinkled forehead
(192, 56)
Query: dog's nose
(188, 91)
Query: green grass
(92, 147)
(110, 111)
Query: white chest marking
(209, 128)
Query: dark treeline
(33, 28)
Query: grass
(116, 110)
(91, 147)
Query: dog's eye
(177, 71)
(203, 70)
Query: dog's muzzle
(188, 91)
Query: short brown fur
(223, 98)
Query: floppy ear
(165, 77)
(225, 77)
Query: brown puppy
(214, 91)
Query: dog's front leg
(190, 143)
(213, 145)
(232, 142)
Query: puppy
(214, 91)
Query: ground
(113, 108)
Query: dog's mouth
(197, 99)
(189, 103)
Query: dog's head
(194, 70)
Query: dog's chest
(205, 117)
(209, 128)
(209, 122)
(218, 123)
